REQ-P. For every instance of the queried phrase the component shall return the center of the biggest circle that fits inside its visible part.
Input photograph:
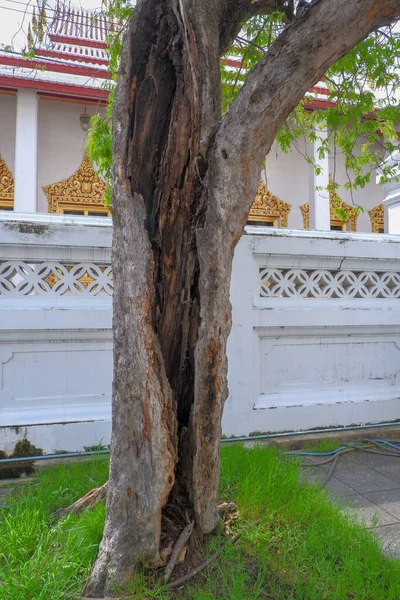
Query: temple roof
(79, 25)
(70, 55)
(70, 47)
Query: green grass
(293, 545)
(38, 558)
(323, 445)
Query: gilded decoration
(377, 216)
(335, 203)
(85, 279)
(6, 186)
(82, 192)
(268, 208)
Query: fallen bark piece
(96, 495)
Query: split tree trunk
(166, 113)
(183, 186)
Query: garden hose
(375, 446)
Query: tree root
(87, 501)
(183, 538)
(198, 569)
(74, 597)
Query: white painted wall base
(58, 438)
(55, 342)
(315, 339)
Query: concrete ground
(368, 486)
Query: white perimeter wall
(315, 339)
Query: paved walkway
(368, 485)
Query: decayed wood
(90, 499)
(184, 182)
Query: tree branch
(236, 12)
(297, 60)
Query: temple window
(336, 223)
(84, 212)
(268, 210)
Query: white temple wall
(8, 113)
(288, 178)
(61, 142)
(315, 340)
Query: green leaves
(99, 148)
(361, 111)
(117, 13)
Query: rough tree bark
(184, 181)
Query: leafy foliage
(100, 150)
(361, 114)
(99, 146)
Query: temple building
(45, 105)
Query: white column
(25, 175)
(319, 200)
(392, 212)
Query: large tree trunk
(183, 185)
(166, 113)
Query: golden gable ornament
(81, 193)
(6, 187)
(269, 209)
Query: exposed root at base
(179, 546)
(184, 578)
(74, 597)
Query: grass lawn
(294, 544)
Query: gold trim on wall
(377, 216)
(6, 187)
(83, 191)
(335, 203)
(269, 209)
